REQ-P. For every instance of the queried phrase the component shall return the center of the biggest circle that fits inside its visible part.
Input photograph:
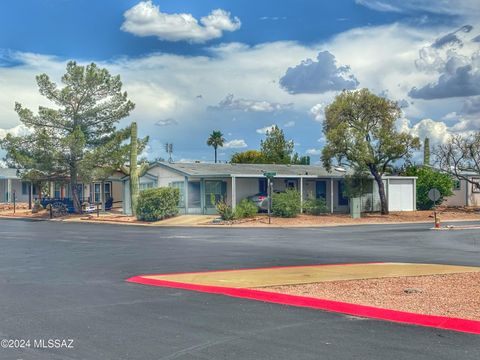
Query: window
(456, 185)
(25, 188)
(262, 186)
(342, 199)
(107, 188)
(57, 191)
(146, 185)
(291, 184)
(476, 185)
(180, 185)
(96, 192)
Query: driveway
(66, 281)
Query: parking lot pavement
(65, 281)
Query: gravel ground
(367, 218)
(452, 295)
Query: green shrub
(224, 210)
(429, 178)
(286, 204)
(314, 206)
(158, 203)
(245, 209)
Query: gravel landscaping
(451, 295)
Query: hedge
(158, 203)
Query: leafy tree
(358, 184)
(460, 157)
(248, 157)
(429, 178)
(360, 131)
(275, 148)
(216, 140)
(65, 139)
(426, 152)
(300, 160)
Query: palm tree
(216, 139)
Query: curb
(432, 321)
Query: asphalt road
(66, 281)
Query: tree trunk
(134, 186)
(73, 188)
(381, 190)
(215, 154)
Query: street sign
(270, 174)
(434, 195)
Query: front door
(215, 191)
(321, 189)
(194, 197)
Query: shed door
(401, 195)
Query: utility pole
(169, 150)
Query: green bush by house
(245, 209)
(286, 204)
(158, 203)
(224, 210)
(314, 206)
(429, 178)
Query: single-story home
(11, 183)
(465, 193)
(199, 182)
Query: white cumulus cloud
(315, 152)
(317, 112)
(235, 144)
(146, 19)
(247, 105)
(265, 129)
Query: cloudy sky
(241, 66)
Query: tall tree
(248, 157)
(216, 140)
(460, 157)
(275, 148)
(83, 121)
(360, 131)
(426, 152)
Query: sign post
(269, 176)
(434, 195)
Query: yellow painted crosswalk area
(255, 278)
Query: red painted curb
(440, 322)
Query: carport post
(185, 193)
(331, 195)
(301, 195)
(234, 192)
(9, 190)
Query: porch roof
(250, 170)
(8, 173)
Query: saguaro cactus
(134, 170)
(426, 152)
(134, 178)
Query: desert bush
(245, 209)
(286, 204)
(313, 206)
(158, 203)
(224, 210)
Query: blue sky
(241, 66)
